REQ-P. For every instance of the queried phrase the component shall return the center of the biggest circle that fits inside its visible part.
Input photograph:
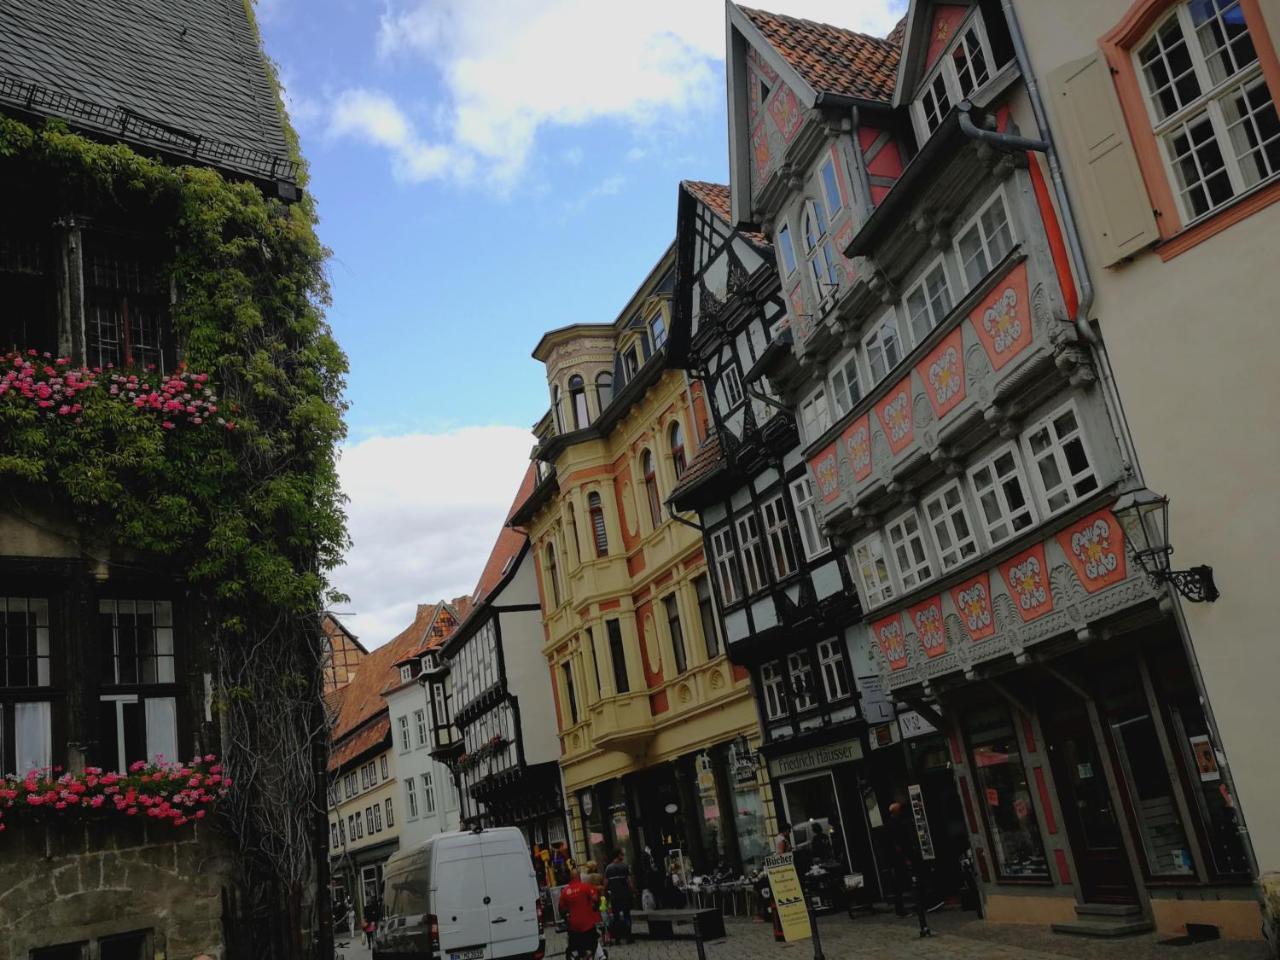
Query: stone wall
(65, 883)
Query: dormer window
(818, 250)
(963, 67)
(406, 673)
(630, 361)
(578, 402)
(659, 331)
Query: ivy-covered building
(169, 404)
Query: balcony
(621, 722)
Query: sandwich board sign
(788, 897)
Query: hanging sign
(923, 836)
(788, 896)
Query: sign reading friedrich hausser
(843, 751)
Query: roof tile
(706, 461)
(715, 196)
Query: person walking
(621, 888)
(580, 906)
(907, 865)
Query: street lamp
(1145, 517)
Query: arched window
(651, 489)
(601, 536)
(677, 449)
(576, 551)
(604, 389)
(553, 577)
(818, 250)
(578, 400)
(555, 408)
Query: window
(819, 252)
(383, 764)
(811, 537)
(24, 642)
(1009, 801)
(333, 834)
(753, 574)
(815, 418)
(707, 614)
(590, 644)
(801, 679)
(1211, 109)
(617, 655)
(391, 820)
(136, 641)
(909, 550)
(1056, 448)
(406, 673)
(830, 188)
(652, 497)
(960, 71)
(672, 606)
(728, 574)
(658, 329)
(935, 102)
(428, 793)
(553, 576)
(928, 302)
(788, 250)
(883, 350)
(364, 778)
(949, 524)
(420, 721)
(985, 241)
(566, 670)
(777, 532)
(359, 825)
(873, 571)
(604, 390)
(831, 663)
(404, 733)
(555, 408)
(1001, 492)
(124, 305)
(732, 386)
(578, 402)
(775, 694)
(846, 386)
(595, 511)
(677, 449)
(411, 796)
(630, 362)
(376, 810)
(571, 516)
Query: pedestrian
(580, 906)
(782, 843)
(621, 887)
(907, 865)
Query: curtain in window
(33, 736)
(162, 728)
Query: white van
(465, 895)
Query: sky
(484, 171)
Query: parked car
(465, 895)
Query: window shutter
(1094, 136)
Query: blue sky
(486, 170)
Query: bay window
(830, 187)
(948, 521)
(963, 68)
(775, 694)
(872, 568)
(707, 615)
(618, 656)
(801, 671)
(778, 536)
(819, 251)
(652, 497)
(846, 384)
(834, 669)
(882, 348)
(599, 534)
(1001, 493)
(909, 550)
(815, 417)
(578, 402)
(787, 249)
(928, 302)
(753, 569)
(984, 241)
(1056, 449)
(728, 574)
(672, 607)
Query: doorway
(1088, 810)
(814, 798)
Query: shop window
(728, 575)
(1001, 492)
(949, 524)
(835, 672)
(811, 537)
(63, 951)
(707, 615)
(801, 671)
(873, 571)
(778, 536)
(1063, 471)
(753, 569)
(618, 656)
(882, 348)
(672, 607)
(928, 302)
(984, 241)
(125, 946)
(774, 690)
(1005, 795)
(909, 552)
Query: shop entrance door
(1092, 824)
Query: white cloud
(425, 511)
(510, 68)
(374, 117)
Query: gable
(944, 23)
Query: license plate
(475, 954)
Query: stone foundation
(72, 883)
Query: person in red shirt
(580, 907)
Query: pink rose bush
(52, 385)
(174, 793)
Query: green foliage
(254, 515)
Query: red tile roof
(898, 33)
(705, 462)
(715, 196)
(831, 59)
(366, 738)
(508, 545)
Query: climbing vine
(224, 472)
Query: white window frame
(800, 666)
(876, 589)
(773, 690)
(984, 242)
(912, 571)
(420, 721)
(874, 343)
(728, 571)
(428, 794)
(731, 379)
(815, 414)
(812, 540)
(406, 673)
(657, 331)
(777, 535)
(1007, 514)
(411, 797)
(751, 547)
(820, 257)
(1209, 103)
(829, 163)
(1068, 481)
(958, 549)
(945, 68)
(921, 286)
(838, 379)
(835, 678)
(403, 722)
(786, 250)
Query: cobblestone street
(957, 936)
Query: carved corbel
(905, 494)
(878, 281)
(1004, 419)
(1070, 355)
(945, 457)
(936, 229)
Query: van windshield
(406, 893)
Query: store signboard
(923, 836)
(788, 897)
(816, 758)
(913, 724)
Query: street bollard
(697, 938)
(813, 926)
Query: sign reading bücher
(843, 751)
(788, 897)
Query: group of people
(589, 898)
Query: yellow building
(658, 729)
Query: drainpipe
(1108, 380)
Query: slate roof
(716, 198)
(708, 459)
(831, 59)
(194, 65)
